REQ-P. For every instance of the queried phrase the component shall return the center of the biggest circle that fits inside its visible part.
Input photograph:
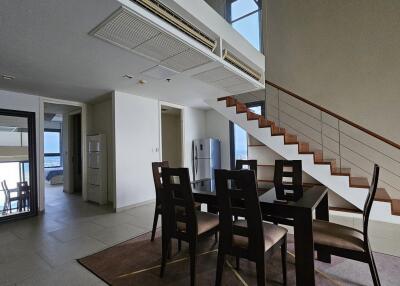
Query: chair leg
(237, 262)
(169, 248)
(216, 237)
(155, 220)
(284, 259)
(260, 265)
(179, 244)
(374, 271)
(220, 268)
(164, 254)
(192, 251)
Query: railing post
(279, 111)
(340, 153)
(322, 133)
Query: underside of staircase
(326, 171)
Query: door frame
(182, 109)
(31, 118)
(41, 178)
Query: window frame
(53, 154)
(232, 131)
(228, 17)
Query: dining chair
(247, 164)
(156, 167)
(23, 195)
(250, 238)
(288, 175)
(346, 241)
(181, 220)
(6, 198)
(9, 198)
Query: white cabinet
(97, 169)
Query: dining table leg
(322, 213)
(304, 248)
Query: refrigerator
(206, 158)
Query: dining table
(300, 211)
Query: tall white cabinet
(97, 169)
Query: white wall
(171, 134)
(217, 126)
(343, 55)
(101, 122)
(136, 127)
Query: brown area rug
(136, 262)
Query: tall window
(245, 16)
(238, 136)
(52, 148)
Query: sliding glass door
(17, 164)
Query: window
(238, 136)
(52, 148)
(245, 17)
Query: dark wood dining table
(301, 212)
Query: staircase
(353, 189)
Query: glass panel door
(17, 164)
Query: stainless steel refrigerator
(206, 158)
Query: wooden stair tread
(347, 210)
(359, 182)
(382, 195)
(341, 171)
(304, 147)
(395, 207)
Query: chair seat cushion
(272, 234)
(205, 222)
(336, 235)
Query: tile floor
(43, 250)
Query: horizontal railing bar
(369, 132)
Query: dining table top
(310, 199)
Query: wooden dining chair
(9, 198)
(23, 195)
(346, 241)
(156, 167)
(247, 164)
(181, 220)
(250, 238)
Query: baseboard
(117, 210)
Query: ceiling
(46, 47)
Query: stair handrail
(337, 116)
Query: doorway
(171, 136)
(18, 194)
(62, 152)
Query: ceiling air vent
(230, 58)
(178, 22)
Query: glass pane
(256, 109)
(14, 165)
(249, 27)
(240, 8)
(51, 142)
(52, 161)
(240, 143)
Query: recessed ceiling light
(7, 77)
(128, 76)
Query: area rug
(137, 262)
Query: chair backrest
(244, 190)
(23, 188)
(156, 167)
(369, 201)
(288, 174)
(177, 202)
(249, 164)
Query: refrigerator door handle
(196, 161)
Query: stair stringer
(322, 173)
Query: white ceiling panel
(186, 60)
(213, 75)
(161, 47)
(125, 30)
